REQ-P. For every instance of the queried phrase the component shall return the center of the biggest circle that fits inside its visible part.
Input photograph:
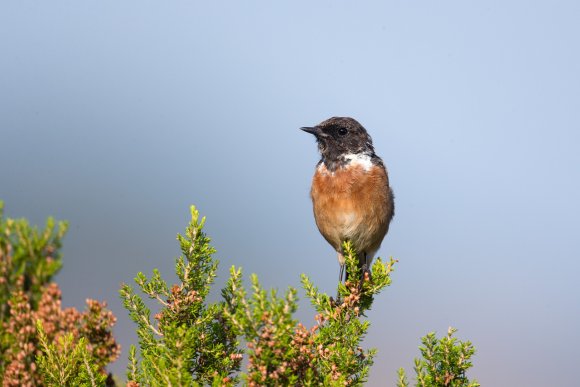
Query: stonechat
(350, 193)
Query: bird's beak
(315, 130)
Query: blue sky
(118, 115)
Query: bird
(351, 196)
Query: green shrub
(31, 315)
(444, 363)
(190, 341)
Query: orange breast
(354, 204)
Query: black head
(340, 136)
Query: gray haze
(117, 115)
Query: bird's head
(341, 136)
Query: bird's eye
(342, 131)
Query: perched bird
(350, 191)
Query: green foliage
(65, 363)
(444, 362)
(266, 322)
(284, 352)
(29, 258)
(341, 327)
(190, 342)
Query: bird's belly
(340, 220)
(351, 205)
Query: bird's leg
(366, 272)
(340, 277)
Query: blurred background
(116, 116)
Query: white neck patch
(361, 159)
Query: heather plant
(444, 362)
(190, 341)
(29, 258)
(282, 351)
(66, 361)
